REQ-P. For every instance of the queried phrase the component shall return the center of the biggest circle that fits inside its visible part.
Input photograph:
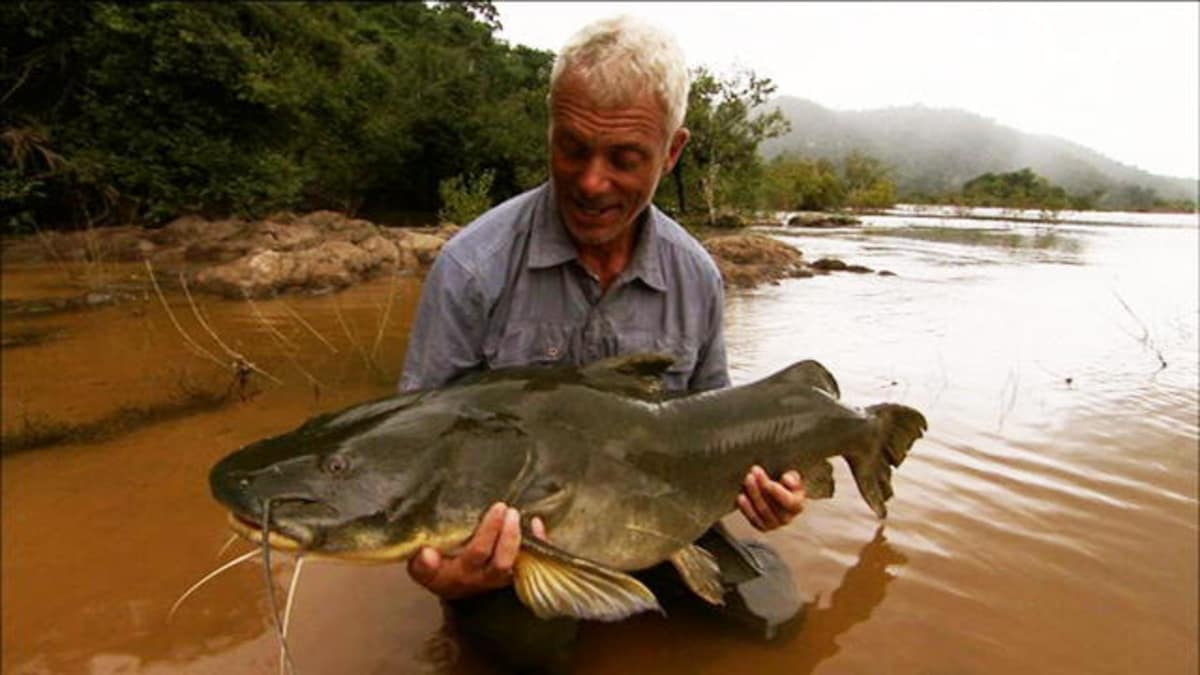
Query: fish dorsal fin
(809, 373)
(639, 375)
(698, 569)
(554, 583)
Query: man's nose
(595, 179)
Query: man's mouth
(597, 211)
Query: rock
(382, 251)
(329, 266)
(424, 247)
(447, 231)
(822, 220)
(316, 252)
(285, 217)
(859, 269)
(215, 251)
(886, 273)
(257, 276)
(191, 229)
(334, 264)
(829, 265)
(279, 236)
(324, 220)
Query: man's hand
(769, 504)
(486, 562)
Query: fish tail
(898, 428)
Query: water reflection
(695, 639)
(860, 592)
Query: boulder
(330, 265)
(193, 229)
(424, 247)
(829, 265)
(822, 220)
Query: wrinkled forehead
(614, 121)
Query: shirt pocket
(532, 344)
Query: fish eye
(336, 464)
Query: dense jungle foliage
(137, 112)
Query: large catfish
(623, 477)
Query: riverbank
(318, 253)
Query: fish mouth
(279, 538)
(373, 552)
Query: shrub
(465, 197)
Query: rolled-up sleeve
(447, 334)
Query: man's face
(606, 162)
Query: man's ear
(678, 140)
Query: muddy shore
(315, 253)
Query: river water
(1047, 523)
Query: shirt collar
(551, 245)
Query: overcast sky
(1120, 78)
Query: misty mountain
(935, 151)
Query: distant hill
(934, 151)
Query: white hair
(621, 58)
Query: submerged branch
(1146, 340)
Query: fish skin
(622, 476)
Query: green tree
(153, 109)
(465, 198)
(868, 182)
(727, 126)
(1022, 189)
(792, 183)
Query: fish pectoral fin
(700, 572)
(554, 583)
(546, 498)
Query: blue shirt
(509, 290)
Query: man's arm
(446, 341)
(447, 335)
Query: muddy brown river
(1048, 522)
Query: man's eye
(572, 149)
(627, 160)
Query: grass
(42, 431)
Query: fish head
(375, 482)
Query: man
(580, 269)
